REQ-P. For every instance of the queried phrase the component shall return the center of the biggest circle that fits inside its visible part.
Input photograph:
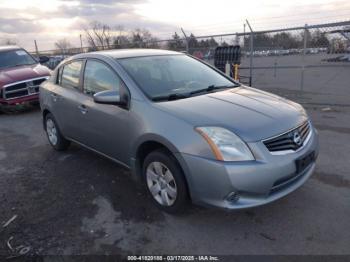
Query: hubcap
(161, 183)
(51, 131)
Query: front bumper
(20, 100)
(255, 183)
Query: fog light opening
(232, 197)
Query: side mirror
(43, 59)
(110, 97)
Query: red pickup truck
(20, 76)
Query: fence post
(36, 48)
(186, 39)
(244, 36)
(251, 54)
(303, 58)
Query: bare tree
(119, 29)
(63, 45)
(99, 36)
(8, 41)
(143, 38)
(102, 36)
(121, 39)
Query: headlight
(225, 145)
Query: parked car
(342, 58)
(312, 51)
(183, 128)
(20, 76)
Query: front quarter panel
(151, 123)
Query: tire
(56, 140)
(170, 192)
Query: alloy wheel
(51, 131)
(161, 183)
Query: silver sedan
(185, 130)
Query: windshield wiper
(177, 96)
(210, 89)
(170, 97)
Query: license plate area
(304, 162)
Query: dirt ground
(76, 202)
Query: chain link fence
(309, 64)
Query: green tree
(192, 41)
(142, 38)
(285, 41)
(318, 39)
(176, 43)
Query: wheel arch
(44, 114)
(151, 143)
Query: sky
(48, 21)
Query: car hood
(250, 113)
(21, 73)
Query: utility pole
(81, 43)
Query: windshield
(173, 76)
(14, 58)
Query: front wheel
(165, 182)
(54, 135)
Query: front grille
(16, 87)
(17, 94)
(292, 140)
(25, 88)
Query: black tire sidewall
(170, 162)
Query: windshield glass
(15, 58)
(173, 76)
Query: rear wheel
(165, 182)
(54, 135)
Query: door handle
(54, 97)
(83, 109)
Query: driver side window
(70, 74)
(99, 77)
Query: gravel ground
(76, 202)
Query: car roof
(128, 53)
(9, 47)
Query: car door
(65, 98)
(104, 128)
